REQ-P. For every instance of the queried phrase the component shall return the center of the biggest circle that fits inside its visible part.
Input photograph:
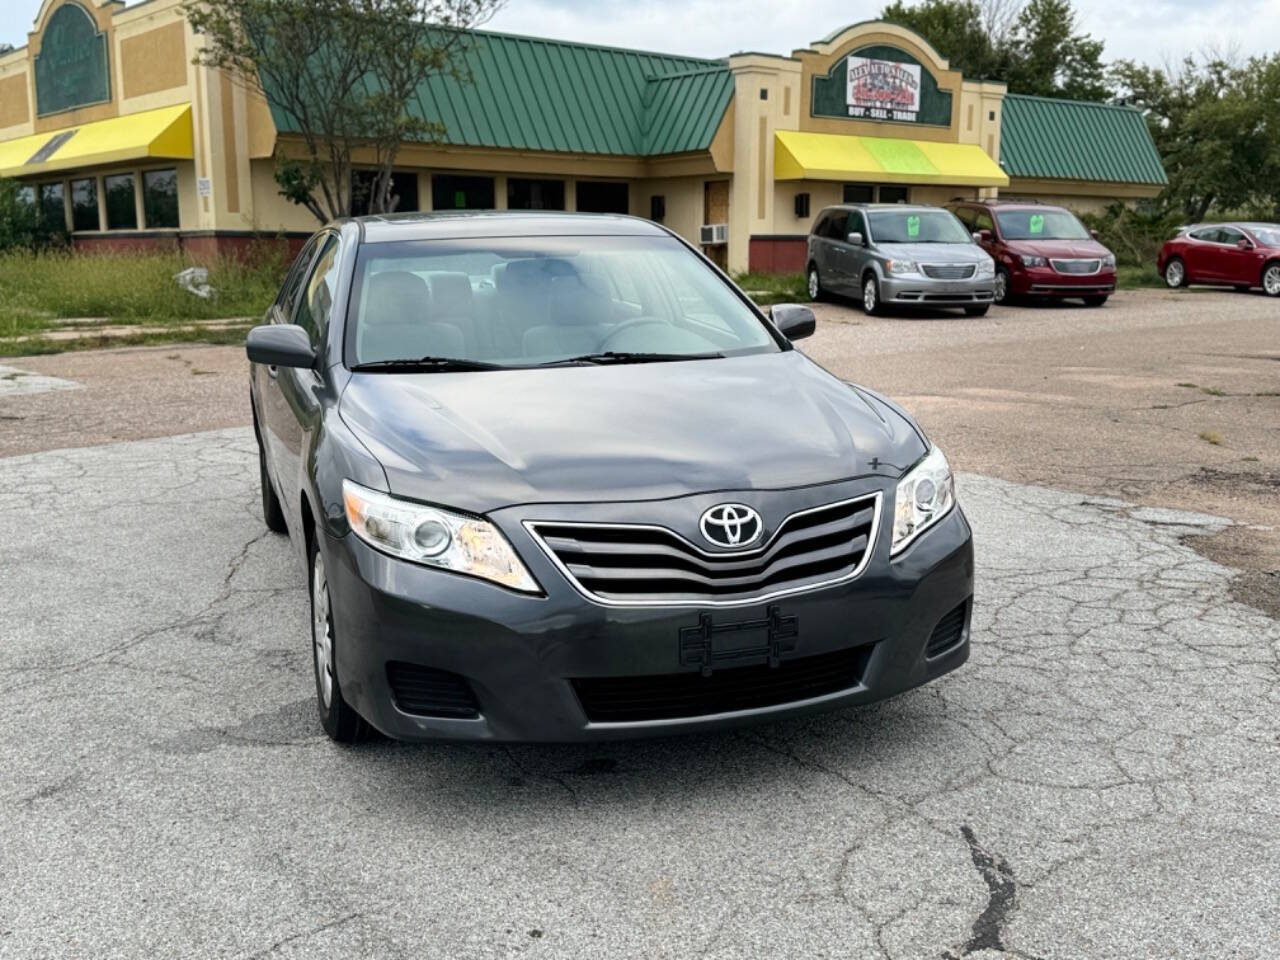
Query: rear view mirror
(855, 238)
(793, 320)
(280, 345)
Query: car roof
(1011, 204)
(882, 206)
(461, 224)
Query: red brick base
(777, 254)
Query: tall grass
(36, 289)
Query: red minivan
(1040, 251)
(1240, 255)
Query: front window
(1040, 225)
(1267, 236)
(917, 226)
(524, 302)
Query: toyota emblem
(731, 525)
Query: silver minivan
(898, 255)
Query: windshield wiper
(425, 365)
(628, 356)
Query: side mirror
(280, 345)
(855, 238)
(983, 236)
(1094, 234)
(793, 320)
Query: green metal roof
(527, 93)
(1050, 139)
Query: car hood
(1058, 248)
(936, 252)
(485, 440)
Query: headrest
(450, 295)
(573, 303)
(396, 296)
(534, 272)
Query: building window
(450, 192)
(84, 205)
(160, 199)
(525, 194)
(893, 194)
(404, 191)
(764, 93)
(53, 208)
(603, 196)
(859, 193)
(26, 195)
(122, 210)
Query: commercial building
(105, 117)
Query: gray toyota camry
(554, 477)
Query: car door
(855, 257)
(1201, 253)
(273, 419)
(299, 390)
(820, 248)
(1233, 264)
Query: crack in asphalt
(1002, 897)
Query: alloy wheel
(869, 295)
(322, 630)
(1271, 280)
(1001, 287)
(1174, 273)
(815, 287)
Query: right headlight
(986, 268)
(923, 498)
(1029, 261)
(902, 266)
(435, 537)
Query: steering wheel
(629, 325)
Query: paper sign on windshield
(1037, 223)
(913, 226)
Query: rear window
(525, 301)
(1040, 225)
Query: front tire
(1001, 285)
(1271, 279)
(871, 296)
(272, 512)
(816, 293)
(338, 719)
(1094, 301)
(1175, 273)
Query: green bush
(1133, 235)
(37, 288)
(770, 288)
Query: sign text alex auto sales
(882, 89)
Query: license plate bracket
(709, 643)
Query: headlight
(1032, 261)
(986, 268)
(902, 266)
(435, 537)
(924, 496)
(1109, 262)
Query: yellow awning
(833, 156)
(163, 134)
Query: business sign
(71, 67)
(880, 83)
(882, 89)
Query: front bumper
(920, 291)
(520, 654)
(1047, 282)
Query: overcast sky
(1151, 30)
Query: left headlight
(986, 268)
(435, 537)
(902, 266)
(924, 496)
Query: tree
(1034, 47)
(346, 74)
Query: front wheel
(1271, 280)
(1001, 285)
(816, 293)
(871, 296)
(1094, 301)
(1175, 274)
(338, 719)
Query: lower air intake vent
(673, 695)
(948, 633)
(426, 692)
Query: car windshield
(1268, 236)
(917, 226)
(520, 302)
(1040, 225)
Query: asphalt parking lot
(1097, 782)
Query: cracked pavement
(1099, 781)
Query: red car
(1240, 255)
(1040, 251)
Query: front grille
(948, 271)
(674, 695)
(948, 633)
(427, 692)
(644, 564)
(1076, 267)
